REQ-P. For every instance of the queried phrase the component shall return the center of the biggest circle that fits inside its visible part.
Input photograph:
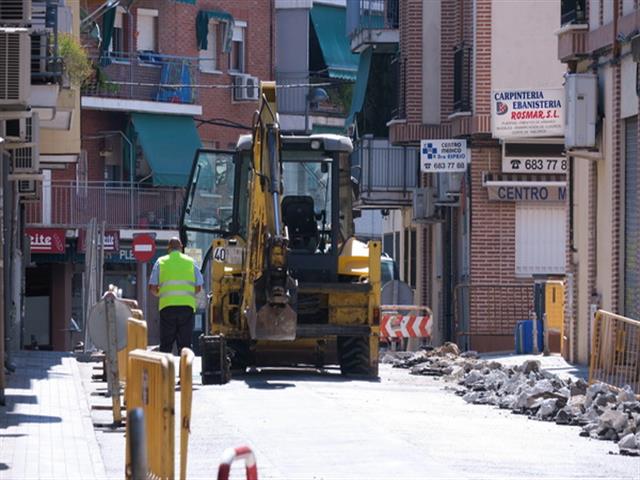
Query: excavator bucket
(275, 322)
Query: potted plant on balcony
(75, 61)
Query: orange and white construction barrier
(398, 324)
(238, 453)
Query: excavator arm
(268, 290)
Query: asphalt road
(309, 425)
(305, 425)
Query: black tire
(240, 355)
(354, 356)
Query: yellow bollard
(151, 386)
(186, 394)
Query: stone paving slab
(45, 428)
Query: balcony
(386, 174)
(46, 64)
(373, 22)
(292, 101)
(144, 81)
(119, 204)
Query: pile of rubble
(602, 412)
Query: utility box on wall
(581, 102)
(424, 206)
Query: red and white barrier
(395, 325)
(238, 453)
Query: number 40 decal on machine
(229, 255)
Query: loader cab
(312, 206)
(208, 207)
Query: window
(540, 239)
(236, 55)
(117, 36)
(462, 79)
(147, 30)
(209, 57)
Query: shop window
(387, 244)
(147, 30)
(237, 53)
(209, 57)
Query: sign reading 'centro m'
(443, 156)
(527, 113)
(527, 193)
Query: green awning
(360, 89)
(329, 24)
(108, 22)
(169, 143)
(202, 28)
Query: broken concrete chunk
(615, 419)
(629, 444)
(530, 366)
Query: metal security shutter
(631, 222)
(540, 239)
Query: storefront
(47, 300)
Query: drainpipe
(2, 241)
(130, 20)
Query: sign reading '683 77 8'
(443, 155)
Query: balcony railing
(145, 76)
(46, 64)
(372, 14)
(292, 100)
(119, 204)
(573, 12)
(386, 174)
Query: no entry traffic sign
(144, 247)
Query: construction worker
(176, 280)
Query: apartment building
(598, 43)
(168, 78)
(470, 239)
(40, 123)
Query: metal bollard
(137, 445)
(238, 453)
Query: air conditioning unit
(424, 205)
(15, 12)
(25, 154)
(581, 92)
(15, 80)
(245, 87)
(27, 188)
(449, 186)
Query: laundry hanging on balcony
(202, 28)
(169, 144)
(329, 24)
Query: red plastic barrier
(238, 453)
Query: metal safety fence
(150, 386)
(615, 351)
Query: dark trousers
(176, 324)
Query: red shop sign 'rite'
(46, 240)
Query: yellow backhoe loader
(289, 283)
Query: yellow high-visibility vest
(177, 281)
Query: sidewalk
(45, 428)
(553, 363)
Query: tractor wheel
(354, 356)
(241, 356)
